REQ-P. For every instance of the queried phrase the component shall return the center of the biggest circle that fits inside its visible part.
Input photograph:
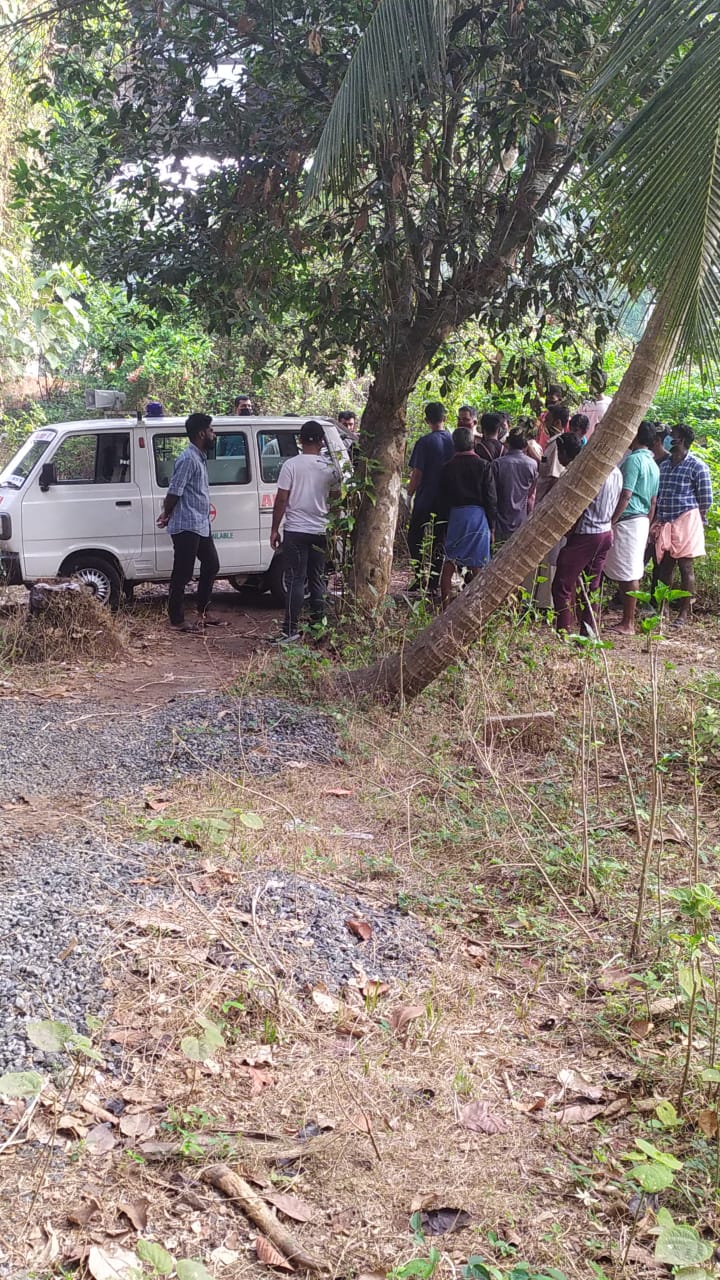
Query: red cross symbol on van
(213, 512)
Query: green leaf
(192, 1047)
(687, 979)
(652, 1177)
(681, 1246)
(213, 1035)
(21, 1084)
(251, 820)
(695, 1273)
(51, 1037)
(663, 1157)
(157, 1257)
(711, 1075)
(666, 1114)
(192, 1269)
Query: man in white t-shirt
(305, 485)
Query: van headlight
(5, 527)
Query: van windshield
(14, 475)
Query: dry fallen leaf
(100, 1139)
(708, 1123)
(223, 1257)
(478, 1117)
(580, 1114)
(136, 1212)
(359, 929)
(438, 1222)
(137, 1126)
(292, 1206)
(578, 1083)
(84, 1213)
(271, 1256)
(163, 922)
(112, 1263)
(337, 791)
(73, 1125)
(258, 1056)
(530, 1108)
(639, 1028)
(663, 1007)
(401, 1017)
(325, 1002)
(259, 1080)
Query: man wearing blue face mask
(684, 499)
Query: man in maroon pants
(585, 551)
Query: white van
(81, 499)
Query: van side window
(227, 465)
(229, 462)
(93, 458)
(274, 447)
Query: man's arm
(415, 481)
(490, 498)
(625, 496)
(279, 508)
(651, 512)
(176, 488)
(703, 489)
(171, 501)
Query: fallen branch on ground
(242, 1194)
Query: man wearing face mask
(684, 499)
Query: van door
(234, 514)
(93, 503)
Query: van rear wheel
(276, 580)
(101, 576)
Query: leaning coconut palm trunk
(407, 673)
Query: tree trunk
(382, 442)
(439, 644)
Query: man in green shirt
(631, 522)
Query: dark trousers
(583, 553)
(305, 556)
(188, 548)
(424, 526)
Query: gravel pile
(306, 926)
(49, 747)
(61, 899)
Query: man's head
(682, 438)
(516, 440)
(243, 406)
(554, 394)
(579, 425)
(200, 431)
(435, 415)
(312, 436)
(645, 437)
(347, 419)
(467, 417)
(490, 424)
(569, 447)
(463, 439)
(558, 417)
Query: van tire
(275, 580)
(100, 575)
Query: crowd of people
(473, 488)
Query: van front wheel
(101, 576)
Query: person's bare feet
(620, 630)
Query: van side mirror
(48, 476)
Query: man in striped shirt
(684, 499)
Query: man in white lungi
(631, 522)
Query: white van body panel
(112, 478)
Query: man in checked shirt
(684, 498)
(186, 516)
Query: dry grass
(71, 626)
(482, 844)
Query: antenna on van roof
(139, 415)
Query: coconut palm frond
(644, 37)
(661, 189)
(401, 49)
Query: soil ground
(502, 1065)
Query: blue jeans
(305, 555)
